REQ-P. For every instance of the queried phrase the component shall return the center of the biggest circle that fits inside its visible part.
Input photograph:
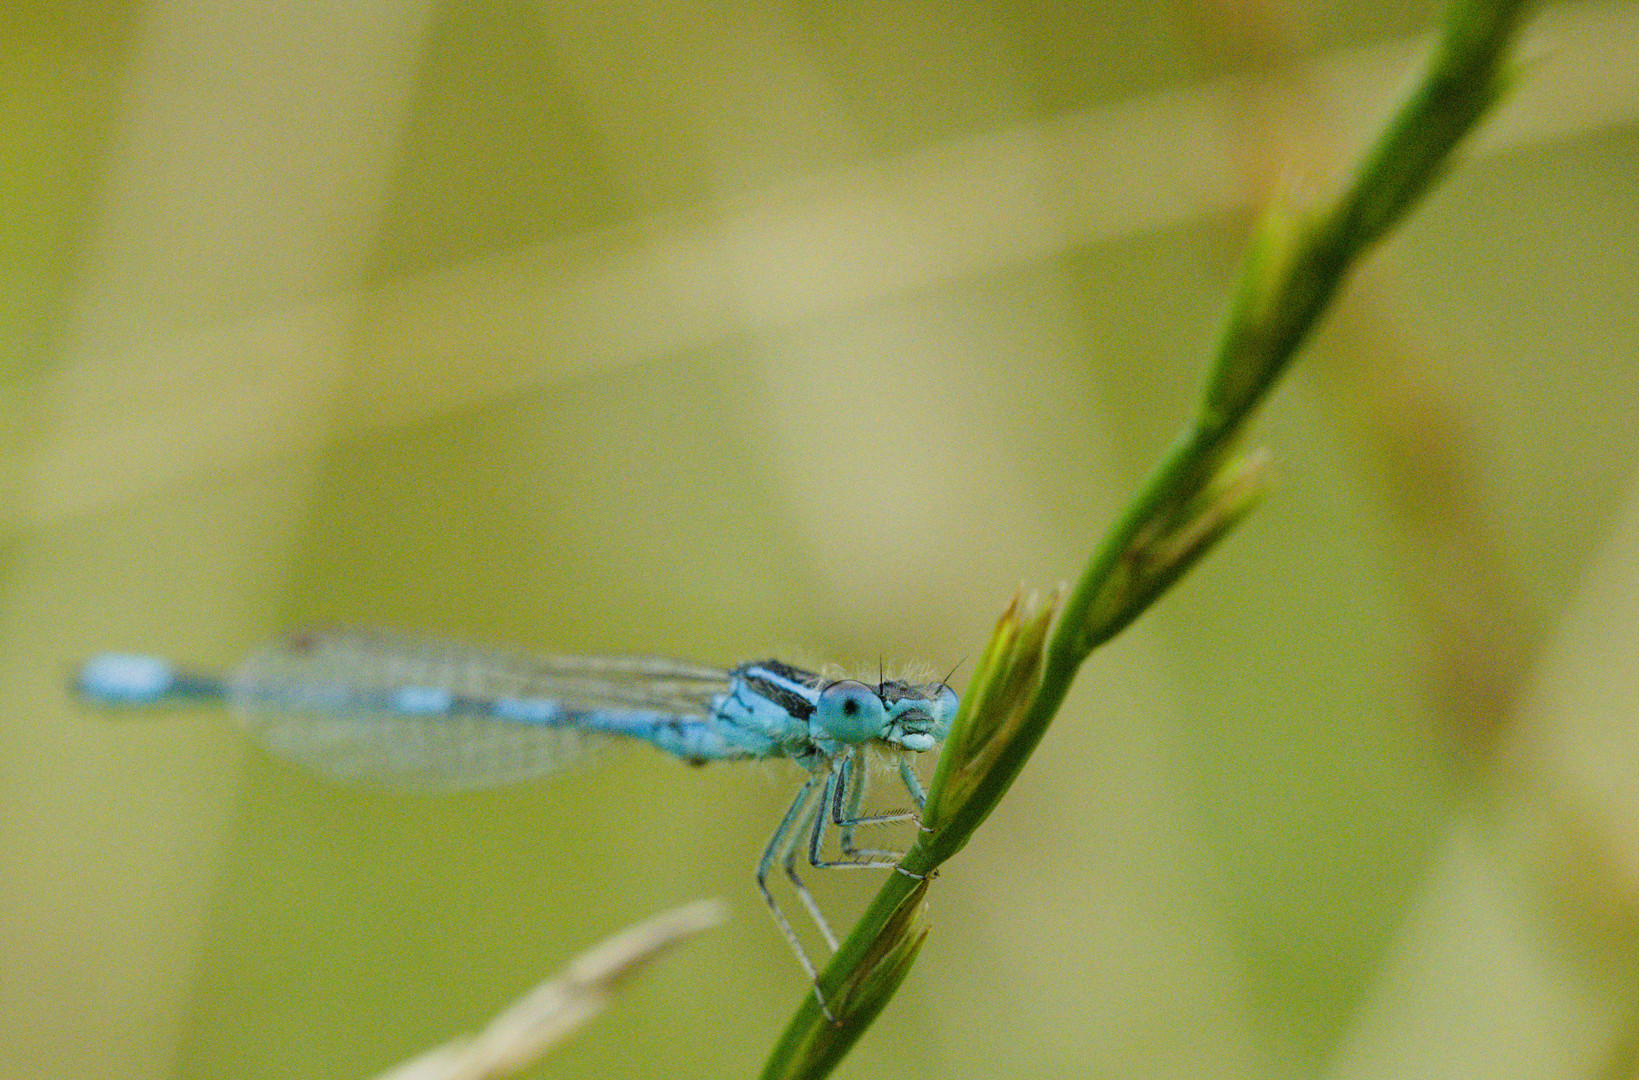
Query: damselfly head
(919, 715)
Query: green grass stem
(1201, 489)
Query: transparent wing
(427, 714)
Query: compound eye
(945, 704)
(850, 712)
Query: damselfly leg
(845, 795)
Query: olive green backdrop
(812, 330)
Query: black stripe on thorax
(791, 688)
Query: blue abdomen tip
(125, 678)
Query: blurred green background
(813, 330)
